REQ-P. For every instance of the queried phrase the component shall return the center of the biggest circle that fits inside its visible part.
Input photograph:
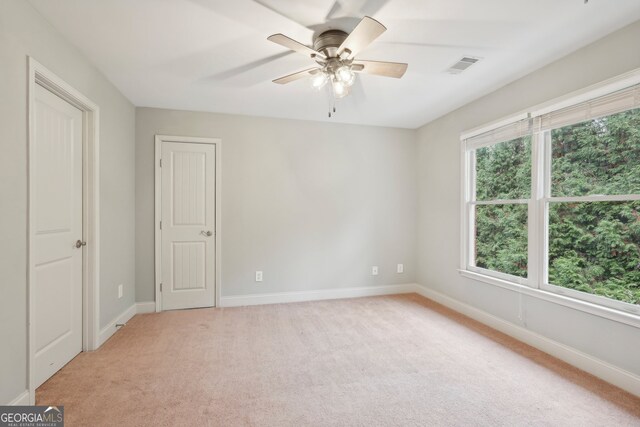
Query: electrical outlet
(258, 276)
(374, 270)
(400, 268)
(120, 291)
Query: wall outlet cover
(374, 270)
(258, 276)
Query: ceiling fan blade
(296, 76)
(304, 14)
(371, 7)
(290, 43)
(351, 8)
(250, 66)
(333, 12)
(279, 12)
(434, 45)
(365, 32)
(386, 69)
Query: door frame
(40, 75)
(217, 142)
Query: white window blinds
(516, 129)
(622, 100)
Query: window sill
(576, 304)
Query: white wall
(24, 32)
(439, 202)
(313, 205)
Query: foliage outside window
(503, 181)
(594, 246)
(558, 208)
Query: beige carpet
(380, 361)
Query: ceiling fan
(334, 51)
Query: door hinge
(160, 225)
(160, 287)
(160, 162)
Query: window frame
(546, 201)
(536, 283)
(470, 203)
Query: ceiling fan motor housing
(328, 42)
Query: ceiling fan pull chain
(332, 110)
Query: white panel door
(56, 227)
(188, 225)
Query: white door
(188, 225)
(56, 227)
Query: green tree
(594, 247)
(503, 171)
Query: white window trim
(536, 285)
(564, 300)
(469, 202)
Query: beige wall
(439, 193)
(311, 204)
(23, 32)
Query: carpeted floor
(381, 361)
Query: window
(593, 201)
(499, 195)
(552, 200)
(502, 194)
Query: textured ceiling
(211, 55)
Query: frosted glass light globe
(345, 75)
(319, 80)
(340, 89)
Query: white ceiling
(212, 55)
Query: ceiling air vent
(463, 64)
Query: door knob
(80, 243)
(207, 233)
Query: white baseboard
(145, 307)
(21, 400)
(601, 369)
(110, 329)
(315, 295)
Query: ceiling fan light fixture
(319, 80)
(334, 52)
(346, 75)
(340, 89)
